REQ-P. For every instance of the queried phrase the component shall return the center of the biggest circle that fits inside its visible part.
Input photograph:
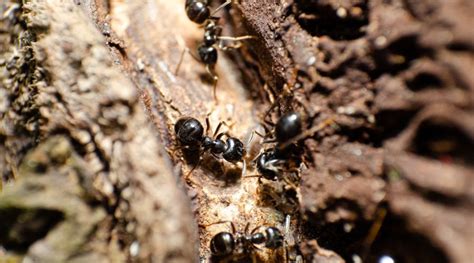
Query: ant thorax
(243, 245)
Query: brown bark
(60, 80)
(89, 97)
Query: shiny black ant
(198, 11)
(190, 133)
(282, 162)
(238, 244)
(288, 129)
(268, 163)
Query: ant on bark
(282, 161)
(237, 244)
(190, 133)
(199, 12)
(287, 131)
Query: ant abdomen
(197, 10)
(273, 238)
(235, 150)
(222, 244)
(207, 54)
(190, 132)
(288, 127)
(225, 244)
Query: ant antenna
(181, 59)
(220, 7)
(232, 225)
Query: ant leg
(244, 168)
(220, 7)
(237, 45)
(229, 47)
(255, 229)
(252, 176)
(259, 134)
(239, 38)
(222, 222)
(222, 134)
(217, 129)
(270, 141)
(181, 57)
(288, 182)
(208, 125)
(188, 175)
(270, 95)
(233, 227)
(246, 229)
(215, 78)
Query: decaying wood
(89, 97)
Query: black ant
(269, 162)
(198, 11)
(282, 162)
(235, 244)
(288, 129)
(190, 132)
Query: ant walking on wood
(190, 133)
(199, 12)
(238, 244)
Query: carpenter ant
(280, 164)
(288, 126)
(198, 12)
(287, 130)
(190, 132)
(225, 244)
(212, 41)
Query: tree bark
(89, 97)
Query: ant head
(197, 11)
(189, 131)
(288, 127)
(222, 244)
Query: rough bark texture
(89, 97)
(117, 190)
